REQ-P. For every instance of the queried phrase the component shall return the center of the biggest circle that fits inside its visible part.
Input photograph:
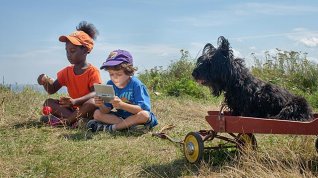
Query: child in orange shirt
(79, 79)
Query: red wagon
(241, 132)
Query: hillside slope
(29, 149)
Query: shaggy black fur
(244, 94)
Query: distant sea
(36, 87)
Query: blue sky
(153, 31)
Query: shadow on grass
(312, 165)
(130, 133)
(213, 160)
(220, 157)
(303, 164)
(28, 124)
(177, 168)
(82, 134)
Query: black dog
(244, 94)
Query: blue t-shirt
(135, 92)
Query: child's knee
(144, 115)
(88, 106)
(49, 102)
(90, 101)
(97, 114)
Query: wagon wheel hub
(190, 148)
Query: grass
(29, 149)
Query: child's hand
(117, 102)
(98, 101)
(43, 79)
(66, 101)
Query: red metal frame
(238, 124)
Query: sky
(154, 32)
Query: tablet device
(106, 92)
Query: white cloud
(237, 53)
(304, 37)
(314, 59)
(252, 48)
(210, 19)
(310, 42)
(272, 9)
(221, 17)
(299, 35)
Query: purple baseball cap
(117, 57)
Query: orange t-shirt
(78, 85)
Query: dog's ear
(208, 49)
(223, 43)
(224, 47)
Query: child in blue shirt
(132, 101)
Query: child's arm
(68, 102)
(100, 104)
(49, 84)
(119, 104)
(83, 99)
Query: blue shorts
(152, 121)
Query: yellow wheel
(246, 142)
(193, 147)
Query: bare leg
(69, 115)
(139, 118)
(86, 110)
(57, 110)
(106, 118)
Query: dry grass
(28, 149)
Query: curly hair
(128, 68)
(88, 28)
(244, 94)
